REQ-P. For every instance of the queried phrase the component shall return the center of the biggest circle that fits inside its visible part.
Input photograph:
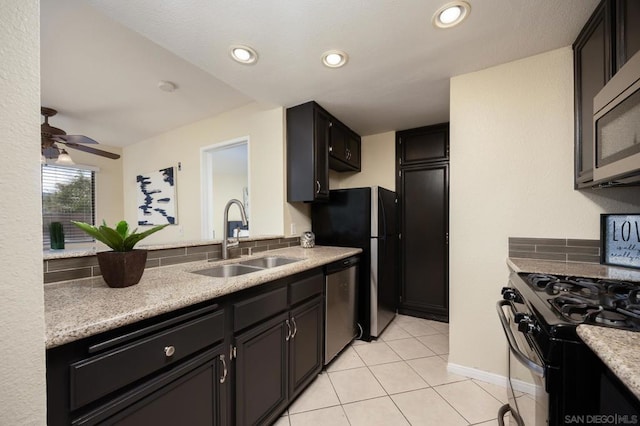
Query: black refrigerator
(365, 218)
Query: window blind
(67, 194)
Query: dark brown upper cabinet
(423, 145)
(628, 30)
(317, 141)
(308, 132)
(344, 148)
(607, 41)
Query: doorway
(225, 175)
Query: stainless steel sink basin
(225, 271)
(269, 261)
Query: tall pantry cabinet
(422, 164)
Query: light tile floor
(399, 379)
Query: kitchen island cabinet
(305, 344)
(261, 372)
(277, 358)
(239, 358)
(138, 373)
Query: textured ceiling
(102, 59)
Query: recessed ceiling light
(334, 58)
(451, 14)
(243, 54)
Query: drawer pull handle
(169, 351)
(295, 327)
(224, 369)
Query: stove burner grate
(588, 300)
(610, 318)
(571, 285)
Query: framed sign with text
(620, 240)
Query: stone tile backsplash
(560, 249)
(87, 266)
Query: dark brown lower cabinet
(193, 398)
(276, 360)
(261, 371)
(424, 245)
(240, 359)
(305, 348)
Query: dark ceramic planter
(122, 269)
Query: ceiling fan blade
(74, 139)
(92, 150)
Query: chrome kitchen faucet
(225, 231)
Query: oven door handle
(536, 368)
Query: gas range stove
(539, 314)
(580, 300)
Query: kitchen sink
(269, 261)
(246, 267)
(225, 271)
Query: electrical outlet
(293, 229)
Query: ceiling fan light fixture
(64, 159)
(451, 14)
(243, 54)
(334, 58)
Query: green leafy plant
(118, 238)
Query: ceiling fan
(51, 136)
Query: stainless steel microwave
(616, 127)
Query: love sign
(620, 240)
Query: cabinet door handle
(232, 352)
(288, 330)
(169, 351)
(318, 187)
(295, 327)
(224, 369)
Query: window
(67, 194)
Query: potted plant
(122, 267)
(56, 235)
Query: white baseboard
(485, 376)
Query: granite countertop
(579, 269)
(80, 308)
(618, 349)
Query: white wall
(22, 370)
(511, 175)
(227, 186)
(108, 183)
(378, 165)
(264, 127)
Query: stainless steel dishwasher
(341, 310)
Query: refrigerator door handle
(384, 217)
